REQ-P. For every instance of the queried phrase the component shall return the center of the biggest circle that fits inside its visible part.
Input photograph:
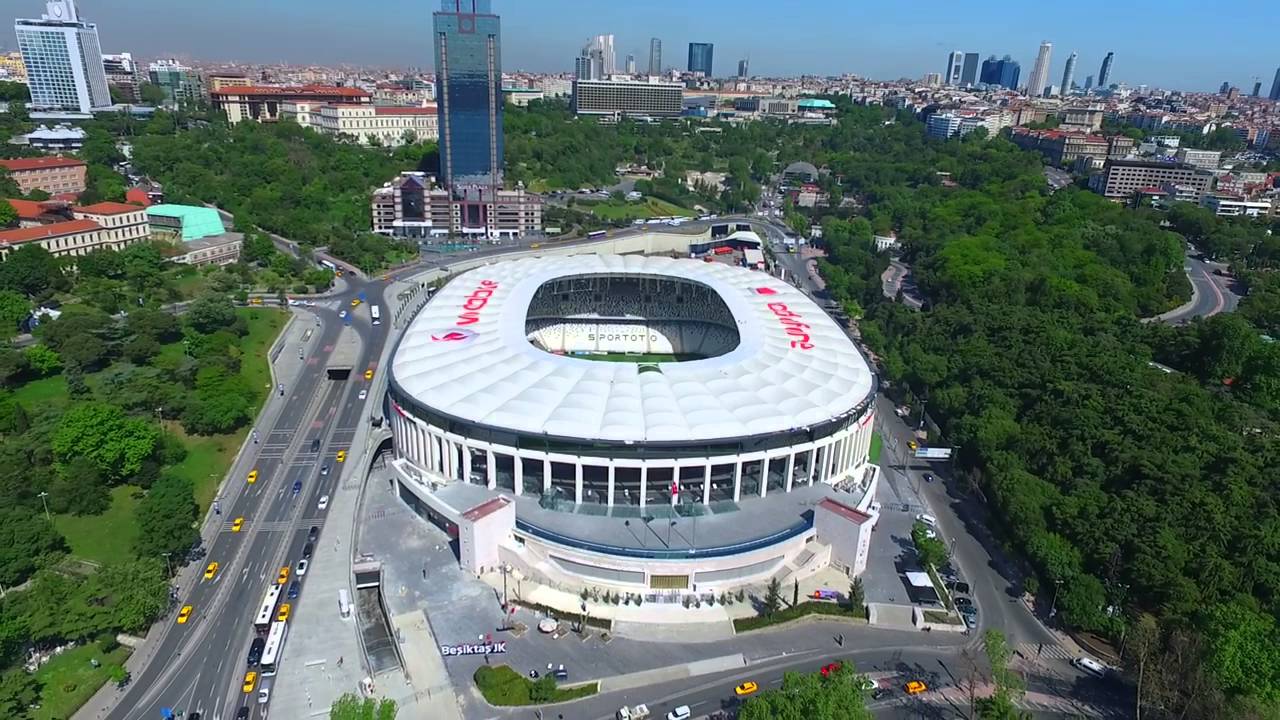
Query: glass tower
(63, 60)
(700, 58)
(468, 51)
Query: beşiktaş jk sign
(493, 648)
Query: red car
(828, 669)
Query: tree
(30, 270)
(26, 537)
(931, 551)
(43, 360)
(222, 402)
(166, 519)
(839, 696)
(19, 692)
(12, 364)
(354, 707)
(13, 417)
(136, 591)
(1008, 685)
(151, 94)
(140, 349)
(84, 352)
(101, 433)
(857, 596)
(14, 308)
(155, 324)
(773, 597)
(210, 313)
(1244, 652)
(78, 488)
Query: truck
(638, 712)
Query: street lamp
(45, 503)
(167, 563)
(1053, 605)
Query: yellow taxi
(355, 302)
(250, 681)
(210, 571)
(342, 456)
(746, 688)
(184, 614)
(255, 301)
(253, 476)
(283, 613)
(237, 525)
(385, 278)
(368, 374)
(915, 687)
(913, 444)
(284, 575)
(337, 273)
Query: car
(363, 394)
(297, 486)
(184, 614)
(264, 696)
(368, 374)
(968, 610)
(283, 577)
(869, 684)
(242, 713)
(915, 687)
(250, 680)
(342, 456)
(385, 278)
(746, 688)
(324, 502)
(1091, 666)
(881, 693)
(913, 444)
(970, 620)
(928, 477)
(237, 525)
(282, 613)
(561, 674)
(355, 302)
(255, 651)
(830, 668)
(313, 533)
(307, 550)
(294, 589)
(302, 568)
(681, 713)
(324, 469)
(342, 313)
(962, 588)
(211, 570)
(927, 519)
(315, 445)
(253, 476)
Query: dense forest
(1148, 498)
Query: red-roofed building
(847, 530)
(52, 174)
(482, 530)
(73, 237)
(264, 104)
(386, 125)
(122, 224)
(1061, 148)
(138, 196)
(32, 213)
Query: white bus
(327, 264)
(275, 645)
(267, 611)
(376, 314)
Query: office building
(1224, 87)
(1275, 86)
(1039, 79)
(969, 73)
(1104, 75)
(942, 125)
(955, 68)
(1227, 206)
(1121, 179)
(932, 79)
(122, 74)
(1257, 89)
(701, 58)
(63, 60)
(264, 104)
(1062, 149)
(589, 65)
(1204, 159)
(224, 80)
(602, 46)
(1069, 74)
(655, 56)
(744, 69)
(386, 125)
(413, 206)
(1003, 72)
(619, 98)
(1088, 83)
(631, 64)
(468, 48)
(52, 174)
(582, 67)
(182, 85)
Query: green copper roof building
(190, 221)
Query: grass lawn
(188, 282)
(207, 461)
(795, 612)
(69, 680)
(647, 208)
(255, 366)
(877, 444)
(50, 390)
(634, 357)
(503, 686)
(103, 538)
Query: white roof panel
(466, 355)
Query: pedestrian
(339, 661)
(424, 573)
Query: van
(1091, 666)
(344, 603)
(681, 713)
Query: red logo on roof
(454, 335)
(766, 291)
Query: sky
(1174, 43)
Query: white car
(363, 394)
(681, 713)
(302, 568)
(324, 502)
(342, 313)
(264, 694)
(927, 519)
(1091, 666)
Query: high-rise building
(955, 68)
(583, 67)
(180, 83)
(617, 98)
(122, 74)
(701, 58)
(63, 60)
(655, 56)
(969, 73)
(468, 49)
(1275, 87)
(1039, 79)
(631, 64)
(603, 44)
(1088, 83)
(1069, 73)
(1003, 72)
(1257, 88)
(1104, 75)
(990, 72)
(744, 69)
(932, 79)
(1224, 87)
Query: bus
(267, 611)
(376, 314)
(597, 234)
(275, 645)
(327, 264)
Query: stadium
(634, 422)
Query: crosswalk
(1042, 651)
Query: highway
(199, 666)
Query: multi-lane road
(199, 666)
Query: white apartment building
(1207, 159)
(1223, 206)
(63, 60)
(365, 123)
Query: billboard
(932, 453)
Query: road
(1211, 293)
(200, 666)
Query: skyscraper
(1104, 75)
(1275, 87)
(1224, 87)
(701, 56)
(990, 72)
(744, 68)
(603, 44)
(468, 47)
(582, 66)
(1088, 83)
(955, 68)
(1257, 88)
(969, 73)
(63, 59)
(1010, 69)
(1039, 79)
(631, 64)
(1069, 73)
(655, 56)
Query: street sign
(929, 453)
(491, 648)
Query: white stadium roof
(466, 355)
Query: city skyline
(888, 42)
